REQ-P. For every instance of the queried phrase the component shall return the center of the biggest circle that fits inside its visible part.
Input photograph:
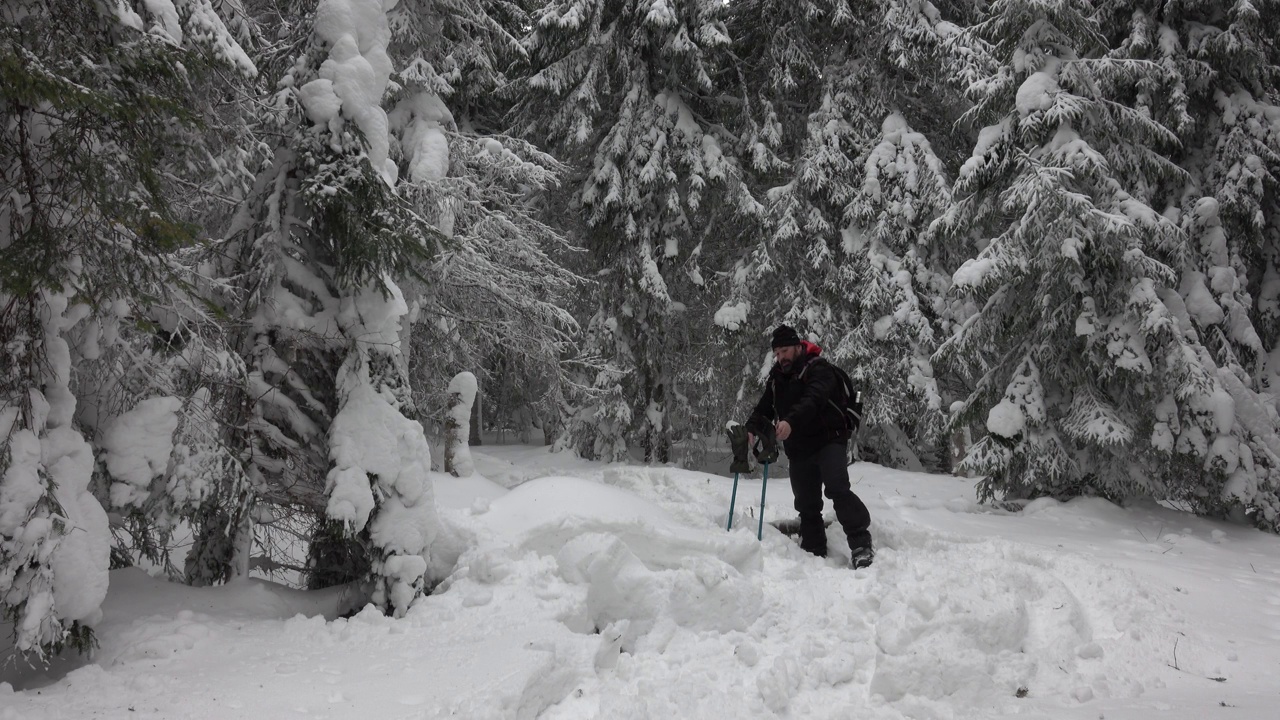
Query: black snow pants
(811, 472)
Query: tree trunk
(477, 419)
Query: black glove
(766, 449)
(738, 443)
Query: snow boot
(738, 443)
(862, 557)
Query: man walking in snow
(801, 402)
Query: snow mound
(636, 569)
(619, 595)
(544, 515)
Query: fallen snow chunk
(543, 514)
(1090, 651)
(780, 683)
(611, 644)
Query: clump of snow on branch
(365, 437)
(380, 457)
(732, 316)
(896, 156)
(137, 445)
(973, 273)
(1036, 93)
(203, 26)
(422, 120)
(372, 319)
(354, 76)
(1023, 404)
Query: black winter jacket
(805, 396)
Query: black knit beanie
(784, 336)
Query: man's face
(785, 356)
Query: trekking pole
(732, 499)
(766, 453)
(764, 485)
(738, 444)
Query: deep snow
(587, 591)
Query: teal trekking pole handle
(732, 499)
(763, 487)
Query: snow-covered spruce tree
(1218, 92)
(493, 302)
(628, 90)
(317, 246)
(832, 94)
(499, 285)
(1088, 376)
(897, 293)
(496, 297)
(96, 100)
(155, 398)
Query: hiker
(801, 406)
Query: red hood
(810, 348)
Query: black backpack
(848, 400)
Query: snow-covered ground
(584, 591)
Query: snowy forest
(248, 247)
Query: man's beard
(785, 365)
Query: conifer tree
(96, 100)
(493, 303)
(316, 250)
(832, 94)
(1217, 92)
(629, 91)
(897, 292)
(1088, 376)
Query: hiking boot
(862, 557)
